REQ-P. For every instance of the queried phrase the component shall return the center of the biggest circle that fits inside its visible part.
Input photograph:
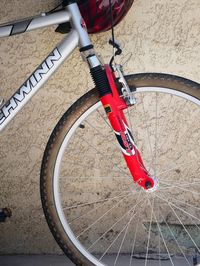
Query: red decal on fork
(114, 106)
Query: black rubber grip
(100, 80)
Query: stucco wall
(162, 35)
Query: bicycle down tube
(77, 36)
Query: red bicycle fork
(114, 107)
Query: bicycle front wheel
(95, 211)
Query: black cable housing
(101, 81)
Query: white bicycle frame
(78, 36)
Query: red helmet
(96, 13)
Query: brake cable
(112, 41)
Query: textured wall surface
(162, 35)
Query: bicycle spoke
(93, 168)
(92, 202)
(147, 128)
(163, 239)
(169, 182)
(180, 108)
(115, 239)
(182, 188)
(105, 120)
(121, 218)
(133, 245)
(154, 155)
(162, 128)
(156, 133)
(177, 207)
(172, 185)
(128, 111)
(171, 169)
(105, 201)
(185, 229)
(113, 242)
(104, 155)
(105, 137)
(149, 233)
(122, 242)
(104, 214)
(193, 223)
(174, 168)
(182, 202)
(175, 240)
(181, 209)
(171, 207)
(159, 248)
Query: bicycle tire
(159, 82)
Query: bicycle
(135, 208)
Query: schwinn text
(28, 86)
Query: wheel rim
(162, 215)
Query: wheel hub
(149, 187)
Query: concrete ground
(55, 260)
(35, 260)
